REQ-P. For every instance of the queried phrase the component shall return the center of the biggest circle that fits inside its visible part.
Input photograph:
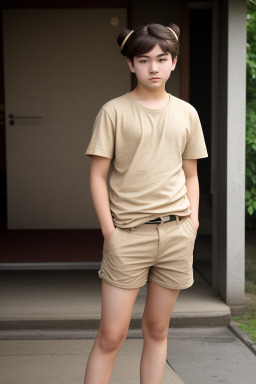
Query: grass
(247, 322)
(250, 288)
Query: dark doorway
(201, 99)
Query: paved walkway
(48, 320)
(195, 356)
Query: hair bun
(121, 37)
(175, 28)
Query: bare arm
(192, 184)
(99, 191)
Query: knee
(154, 330)
(111, 340)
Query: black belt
(158, 220)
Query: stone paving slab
(194, 356)
(210, 356)
(63, 362)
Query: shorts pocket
(110, 241)
(192, 225)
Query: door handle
(12, 116)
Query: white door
(60, 67)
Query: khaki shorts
(161, 253)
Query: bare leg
(116, 311)
(155, 323)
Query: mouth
(154, 78)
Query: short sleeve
(195, 147)
(102, 142)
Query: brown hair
(146, 37)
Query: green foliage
(247, 323)
(250, 196)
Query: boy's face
(153, 68)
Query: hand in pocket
(108, 235)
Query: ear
(130, 66)
(174, 62)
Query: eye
(143, 61)
(161, 60)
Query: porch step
(71, 300)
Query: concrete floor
(49, 319)
(72, 300)
(194, 356)
(62, 361)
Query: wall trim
(49, 266)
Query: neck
(149, 94)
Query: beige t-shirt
(147, 147)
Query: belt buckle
(166, 219)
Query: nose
(153, 68)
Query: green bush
(250, 196)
